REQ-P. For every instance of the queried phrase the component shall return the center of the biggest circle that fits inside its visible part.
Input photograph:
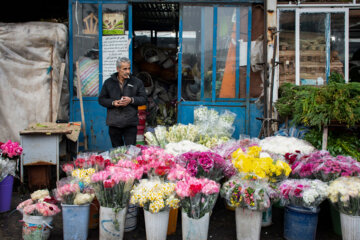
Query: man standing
(121, 94)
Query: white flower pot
(195, 229)
(248, 224)
(109, 220)
(156, 225)
(36, 227)
(350, 227)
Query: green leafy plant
(319, 106)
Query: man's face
(124, 70)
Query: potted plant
(344, 194)
(157, 197)
(38, 212)
(198, 197)
(301, 198)
(250, 197)
(75, 198)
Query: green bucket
(335, 219)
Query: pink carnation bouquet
(197, 195)
(40, 204)
(155, 161)
(205, 164)
(321, 165)
(113, 185)
(10, 150)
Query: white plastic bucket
(111, 224)
(75, 221)
(36, 227)
(267, 217)
(156, 225)
(195, 229)
(350, 227)
(248, 224)
(131, 218)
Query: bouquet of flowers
(113, 185)
(281, 145)
(179, 132)
(71, 191)
(303, 192)
(40, 204)
(184, 146)
(154, 195)
(124, 153)
(344, 194)
(86, 161)
(251, 194)
(10, 150)
(205, 164)
(7, 167)
(197, 195)
(252, 163)
(321, 165)
(155, 161)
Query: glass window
(312, 48)
(197, 29)
(337, 43)
(354, 45)
(287, 47)
(86, 48)
(226, 50)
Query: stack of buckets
(140, 140)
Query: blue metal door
(94, 48)
(214, 63)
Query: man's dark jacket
(122, 116)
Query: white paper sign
(113, 47)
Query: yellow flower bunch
(251, 163)
(83, 175)
(154, 195)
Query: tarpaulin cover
(31, 55)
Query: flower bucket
(75, 221)
(335, 219)
(94, 214)
(350, 227)
(195, 229)
(131, 218)
(248, 224)
(36, 227)
(173, 215)
(156, 224)
(6, 186)
(267, 217)
(112, 223)
(300, 223)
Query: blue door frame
(95, 115)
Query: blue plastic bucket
(131, 218)
(300, 223)
(75, 221)
(6, 186)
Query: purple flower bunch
(205, 164)
(321, 165)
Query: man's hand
(124, 101)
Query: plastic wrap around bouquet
(252, 163)
(321, 165)
(157, 198)
(197, 198)
(38, 212)
(212, 123)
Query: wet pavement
(222, 224)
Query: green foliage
(339, 142)
(319, 106)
